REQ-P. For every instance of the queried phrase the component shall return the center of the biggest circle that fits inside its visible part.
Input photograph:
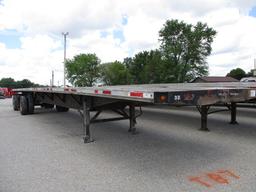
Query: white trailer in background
(118, 98)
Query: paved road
(44, 152)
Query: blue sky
(11, 38)
(117, 33)
(253, 12)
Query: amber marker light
(163, 98)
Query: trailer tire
(23, 105)
(61, 109)
(16, 102)
(30, 104)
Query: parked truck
(7, 92)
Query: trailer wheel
(30, 104)
(61, 109)
(16, 102)
(23, 105)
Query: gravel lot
(44, 152)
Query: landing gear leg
(233, 113)
(132, 118)
(86, 121)
(204, 114)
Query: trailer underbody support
(132, 118)
(204, 115)
(115, 107)
(233, 107)
(86, 122)
(205, 111)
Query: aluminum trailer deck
(117, 98)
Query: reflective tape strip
(253, 93)
(148, 95)
(106, 92)
(141, 95)
(136, 94)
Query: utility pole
(254, 70)
(52, 78)
(65, 44)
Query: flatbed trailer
(124, 99)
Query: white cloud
(107, 49)
(33, 16)
(141, 32)
(41, 24)
(35, 60)
(234, 44)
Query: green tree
(83, 69)
(237, 73)
(250, 73)
(11, 83)
(154, 68)
(8, 82)
(146, 67)
(137, 68)
(185, 48)
(128, 62)
(25, 83)
(114, 73)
